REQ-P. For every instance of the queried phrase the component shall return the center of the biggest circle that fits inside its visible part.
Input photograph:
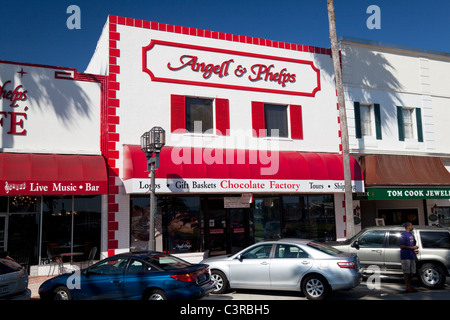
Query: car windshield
(167, 262)
(348, 241)
(324, 248)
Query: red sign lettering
(208, 69)
(16, 119)
(263, 72)
(14, 95)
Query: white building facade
(53, 176)
(252, 138)
(398, 102)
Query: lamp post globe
(157, 138)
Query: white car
(13, 279)
(287, 264)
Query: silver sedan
(288, 264)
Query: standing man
(407, 255)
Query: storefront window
(71, 224)
(309, 217)
(56, 225)
(87, 224)
(295, 216)
(267, 219)
(399, 216)
(444, 216)
(183, 223)
(177, 220)
(23, 229)
(139, 223)
(321, 217)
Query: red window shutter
(258, 123)
(177, 113)
(222, 117)
(296, 121)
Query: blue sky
(36, 32)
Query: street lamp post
(152, 143)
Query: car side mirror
(355, 245)
(240, 257)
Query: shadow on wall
(61, 99)
(368, 77)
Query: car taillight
(186, 277)
(190, 277)
(346, 265)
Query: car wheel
(220, 281)
(431, 276)
(155, 294)
(315, 287)
(61, 293)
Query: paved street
(389, 290)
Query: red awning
(29, 173)
(204, 163)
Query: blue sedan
(132, 276)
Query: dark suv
(378, 246)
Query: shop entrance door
(240, 225)
(227, 229)
(216, 218)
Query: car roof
(286, 240)
(140, 254)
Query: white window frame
(367, 123)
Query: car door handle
(264, 263)
(377, 251)
(116, 282)
(305, 262)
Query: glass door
(218, 227)
(240, 224)
(227, 230)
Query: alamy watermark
(212, 150)
(74, 20)
(374, 21)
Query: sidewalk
(34, 283)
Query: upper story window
(275, 119)
(199, 115)
(367, 120)
(409, 123)
(272, 120)
(407, 114)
